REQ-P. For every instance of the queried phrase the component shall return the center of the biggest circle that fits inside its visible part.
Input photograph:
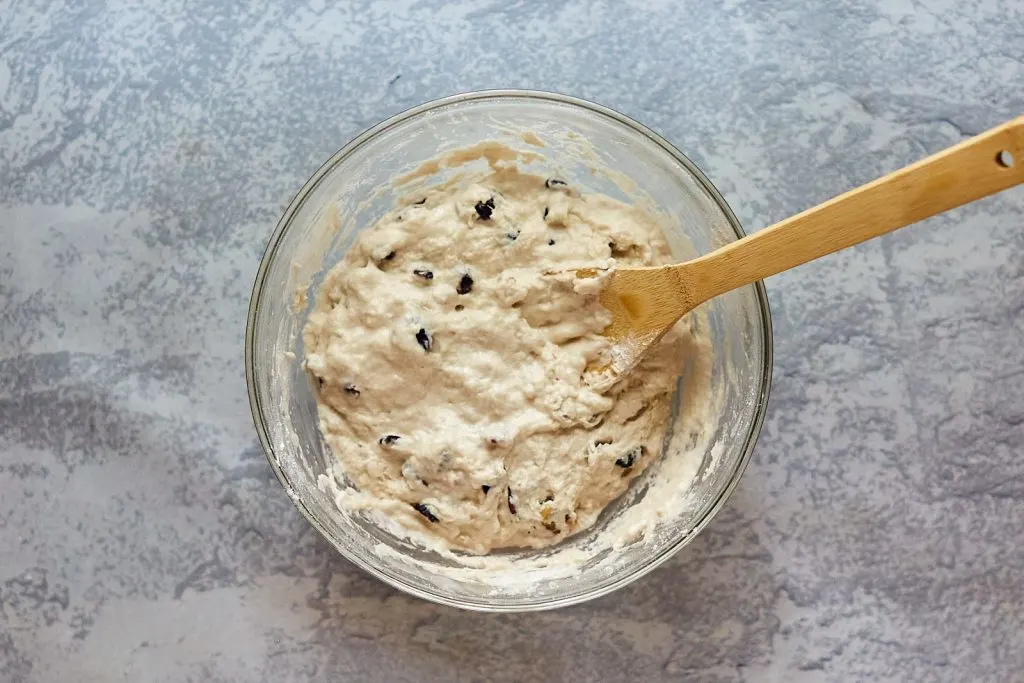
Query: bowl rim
(299, 200)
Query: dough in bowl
(448, 349)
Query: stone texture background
(146, 150)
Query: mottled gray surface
(146, 151)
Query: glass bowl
(602, 151)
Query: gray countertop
(146, 152)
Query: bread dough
(448, 351)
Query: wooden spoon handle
(973, 169)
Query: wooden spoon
(646, 302)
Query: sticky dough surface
(448, 349)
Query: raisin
(420, 202)
(545, 213)
(485, 488)
(425, 510)
(629, 457)
(511, 505)
(485, 209)
(351, 389)
(465, 285)
(551, 243)
(552, 527)
(551, 183)
(459, 307)
(425, 274)
(424, 339)
(388, 439)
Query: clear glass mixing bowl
(352, 190)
